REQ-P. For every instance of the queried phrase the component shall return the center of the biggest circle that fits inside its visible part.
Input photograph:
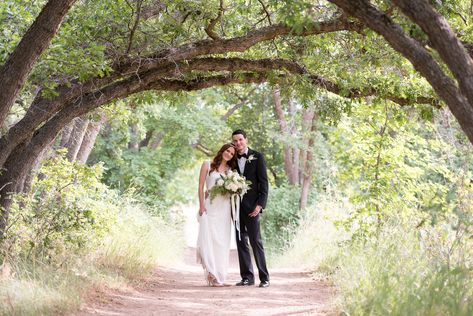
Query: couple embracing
(215, 214)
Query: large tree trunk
(294, 149)
(309, 166)
(9, 183)
(288, 159)
(17, 68)
(76, 137)
(21, 160)
(88, 141)
(66, 134)
(307, 116)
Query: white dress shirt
(242, 161)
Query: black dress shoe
(264, 284)
(245, 282)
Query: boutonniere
(251, 158)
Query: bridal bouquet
(230, 183)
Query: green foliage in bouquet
(229, 183)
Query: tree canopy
(111, 50)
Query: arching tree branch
(36, 115)
(166, 60)
(444, 40)
(420, 58)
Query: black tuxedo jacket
(255, 171)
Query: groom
(251, 164)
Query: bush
(68, 210)
(405, 269)
(281, 218)
(135, 243)
(403, 273)
(73, 233)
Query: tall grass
(35, 289)
(72, 233)
(404, 270)
(315, 244)
(135, 244)
(138, 242)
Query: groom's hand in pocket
(256, 211)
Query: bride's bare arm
(203, 173)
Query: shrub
(401, 273)
(281, 218)
(68, 210)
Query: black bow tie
(242, 155)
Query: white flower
(230, 183)
(251, 158)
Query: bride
(213, 242)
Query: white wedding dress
(215, 229)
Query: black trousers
(250, 230)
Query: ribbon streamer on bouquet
(235, 206)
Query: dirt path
(182, 291)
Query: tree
(458, 97)
(15, 72)
(121, 59)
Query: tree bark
(66, 134)
(285, 133)
(43, 109)
(309, 166)
(420, 58)
(93, 129)
(14, 73)
(294, 149)
(76, 137)
(307, 117)
(444, 40)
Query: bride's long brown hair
(232, 163)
